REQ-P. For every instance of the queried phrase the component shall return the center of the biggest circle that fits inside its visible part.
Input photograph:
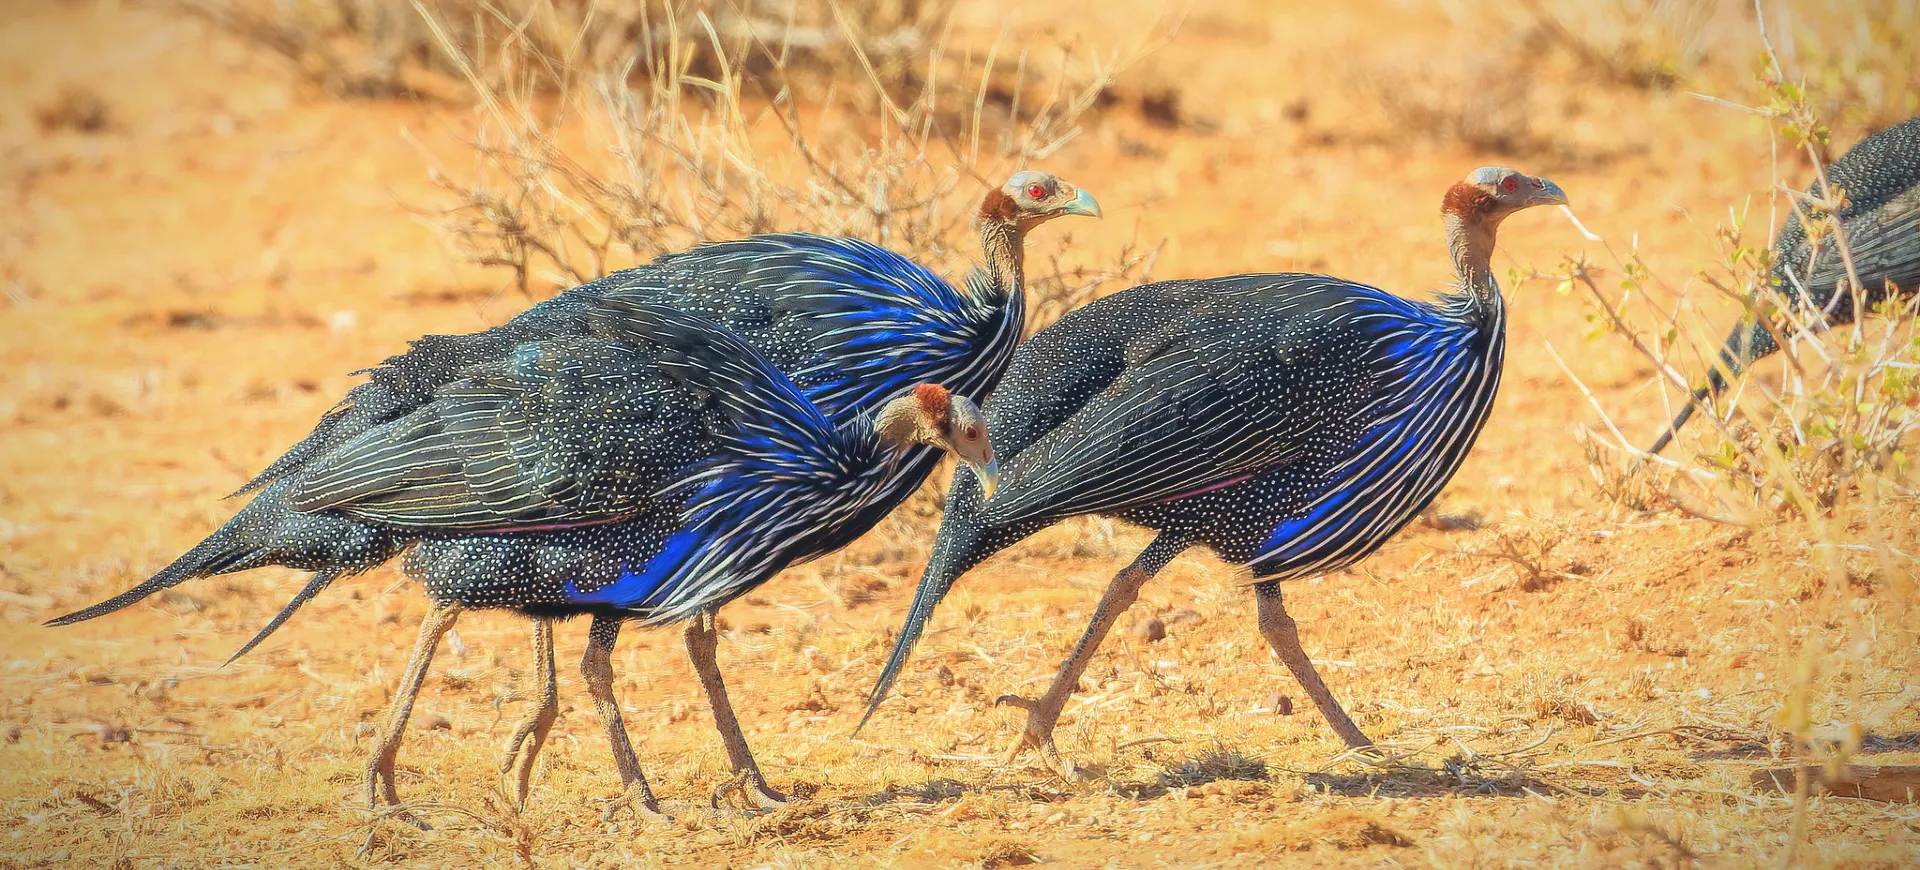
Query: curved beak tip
(989, 475)
(1550, 194)
(1083, 204)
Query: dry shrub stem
(577, 176)
(1824, 458)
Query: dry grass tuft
(1216, 764)
(1006, 851)
(388, 48)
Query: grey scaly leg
(525, 744)
(1044, 713)
(1281, 633)
(703, 641)
(380, 787)
(597, 668)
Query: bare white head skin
(933, 416)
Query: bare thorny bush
(386, 48)
(573, 180)
(1819, 456)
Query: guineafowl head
(931, 415)
(1474, 209)
(1031, 198)
(1491, 193)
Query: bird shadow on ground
(934, 791)
(1408, 782)
(1757, 748)
(1215, 765)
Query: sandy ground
(189, 286)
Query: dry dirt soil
(197, 247)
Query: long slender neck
(1470, 234)
(1003, 244)
(1471, 245)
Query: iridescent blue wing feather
(888, 323)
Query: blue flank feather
(1437, 348)
(636, 587)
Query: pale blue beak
(989, 475)
(1548, 194)
(1082, 205)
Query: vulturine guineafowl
(526, 455)
(1880, 223)
(1292, 423)
(713, 472)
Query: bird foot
(383, 798)
(396, 813)
(523, 750)
(754, 792)
(1037, 735)
(640, 799)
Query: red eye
(1511, 184)
(1036, 191)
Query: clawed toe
(396, 813)
(523, 751)
(1037, 735)
(639, 799)
(1041, 742)
(515, 746)
(754, 793)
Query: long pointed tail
(266, 532)
(933, 587)
(220, 553)
(1750, 341)
(318, 582)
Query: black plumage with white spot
(1289, 422)
(1880, 221)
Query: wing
(560, 433)
(1885, 244)
(1881, 178)
(782, 480)
(1220, 395)
(406, 382)
(852, 322)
